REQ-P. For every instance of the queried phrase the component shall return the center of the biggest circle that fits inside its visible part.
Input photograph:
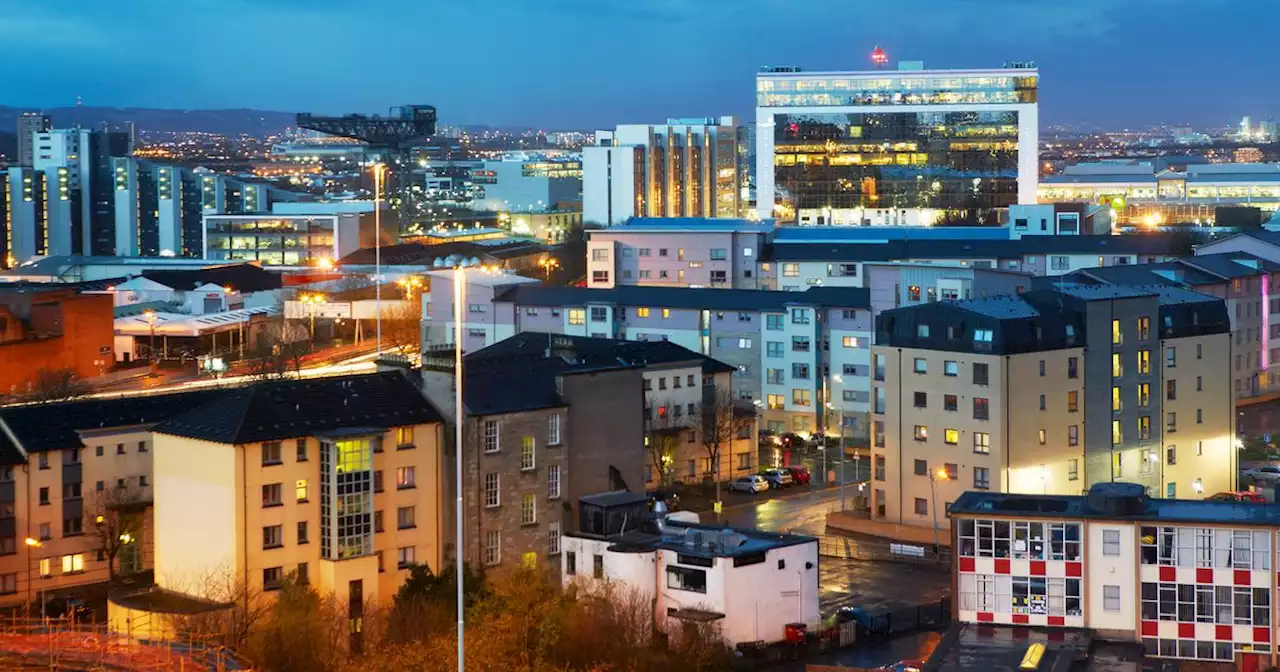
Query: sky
(583, 64)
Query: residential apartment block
(1050, 392)
(547, 420)
(1188, 580)
(794, 351)
(1246, 282)
(677, 252)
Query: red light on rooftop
(879, 57)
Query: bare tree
(662, 434)
(402, 326)
(279, 350)
(231, 626)
(719, 424)
(116, 518)
(53, 385)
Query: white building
(683, 168)
(905, 147)
(751, 583)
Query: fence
(906, 620)
(65, 644)
(852, 548)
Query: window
(1043, 436)
(491, 494)
(406, 518)
(774, 348)
(981, 478)
(980, 372)
(599, 314)
(553, 481)
(799, 316)
(528, 510)
(775, 376)
(271, 495)
(600, 255)
(921, 468)
(922, 330)
(800, 344)
(272, 577)
(405, 478)
(981, 443)
(1171, 357)
(951, 436)
(475, 308)
(1073, 401)
(302, 532)
(1117, 368)
(571, 560)
(577, 316)
(687, 579)
(1144, 427)
(527, 446)
(1043, 403)
(1171, 390)
(1111, 542)
(1171, 423)
(776, 402)
(405, 557)
(597, 566)
(273, 536)
(553, 538)
(1111, 598)
(1073, 367)
(920, 365)
(300, 490)
(46, 567)
(1042, 368)
(850, 341)
(921, 399)
(1073, 435)
(119, 451)
(1144, 395)
(1117, 337)
(950, 368)
(800, 397)
(491, 436)
(922, 506)
(790, 270)
(800, 371)
(270, 453)
(1199, 351)
(981, 408)
(950, 402)
(301, 453)
(880, 468)
(1117, 433)
(913, 292)
(1144, 328)
(718, 254)
(921, 433)
(1073, 469)
(404, 437)
(553, 430)
(1144, 362)
(72, 527)
(142, 447)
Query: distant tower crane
(395, 135)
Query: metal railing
(880, 551)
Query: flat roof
(887, 73)
(702, 541)
(1146, 509)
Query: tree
(246, 608)
(279, 350)
(426, 604)
(116, 518)
(53, 385)
(719, 424)
(402, 326)
(299, 633)
(662, 435)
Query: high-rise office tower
(684, 168)
(30, 123)
(86, 157)
(905, 147)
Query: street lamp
(151, 320)
(378, 169)
(311, 300)
(547, 263)
(459, 299)
(33, 544)
(934, 477)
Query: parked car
(1242, 496)
(752, 484)
(1267, 473)
(904, 666)
(778, 478)
(800, 475)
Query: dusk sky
(595, 63)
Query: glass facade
(270, 239)
(918, 168)
(346, 498)
(895, 89)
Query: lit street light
(151, 320)
(311, 300)
(33, 544)
(934, 477)
(547, 263)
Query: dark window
(922, 399)
(271, 578)
(981, 408)
(685, 578)
(980, 374)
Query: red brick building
(43, 328)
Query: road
(871, 585)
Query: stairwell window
(527, 453)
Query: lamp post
(547, 263)
(151, 320)
(378, 169)
(934, 477)
(33, 544)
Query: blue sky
(594, 63)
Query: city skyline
(506, 64)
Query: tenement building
(1051, 392)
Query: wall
(1102, 570)
(761, 599)
(596, 444)
(195, 543)
(85, 345)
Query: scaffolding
(63, 644)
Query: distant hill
(225, 122)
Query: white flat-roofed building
(909, 147)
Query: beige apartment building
(1048, 393)
(337, 480)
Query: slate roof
(685, 297)
(1232, 264)
(243, 278)
(421, 254)
(43, 427)
(597, 351)
(1003, 307)
(275, 410)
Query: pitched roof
(42, 427)
(285, 409)
(686, 297)
(243, 278)
(590, 351)
(421, 254)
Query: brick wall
(86, 323)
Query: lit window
(642, 312)
(301, 489)
(405, 478)
(952, 436)
(73, 564)
(527, 446)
